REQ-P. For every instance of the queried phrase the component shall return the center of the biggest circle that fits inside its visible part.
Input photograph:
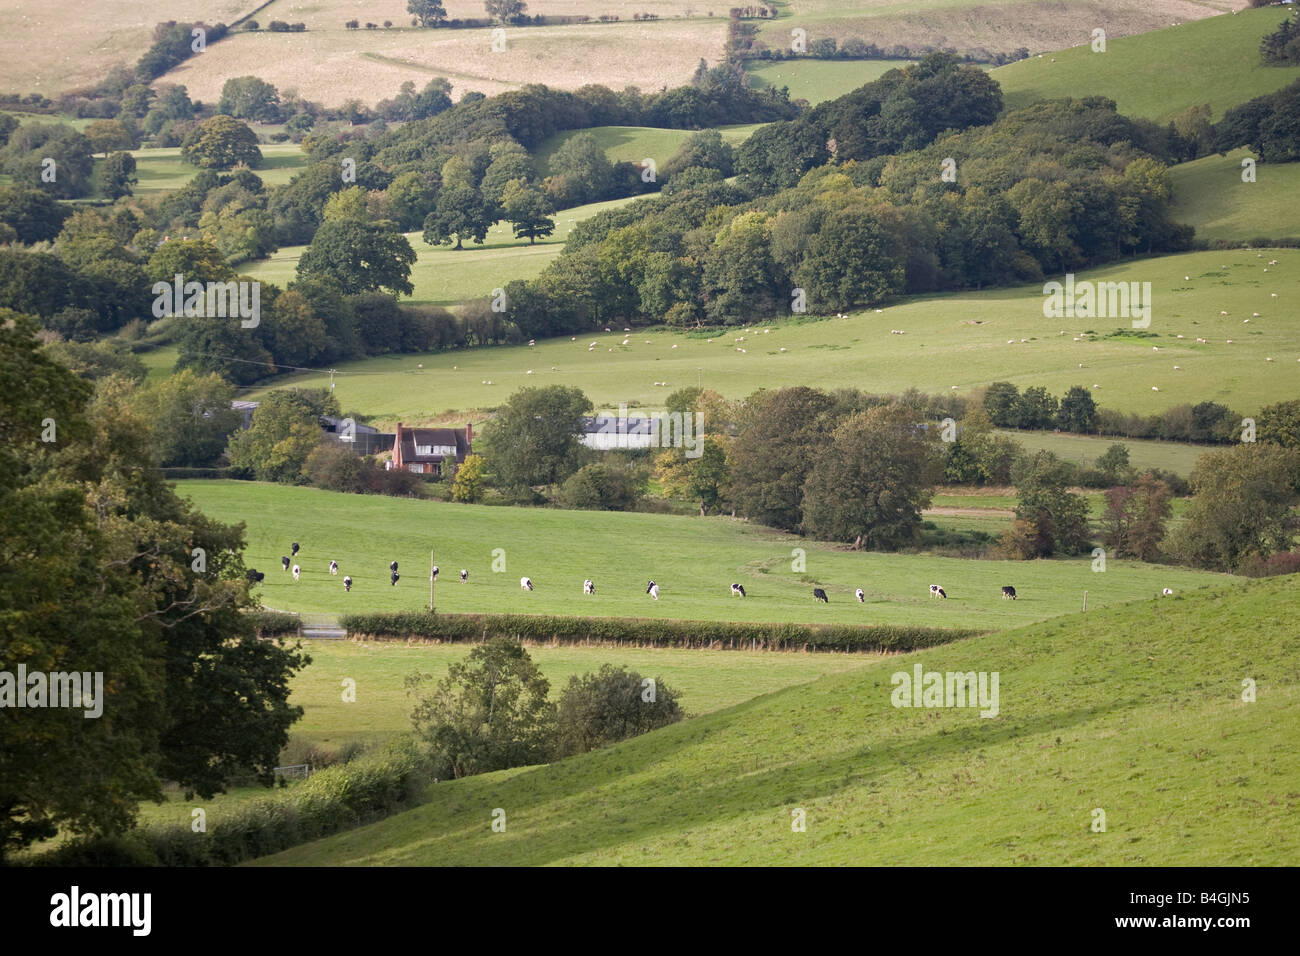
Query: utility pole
(431, 579)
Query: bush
(272, 623)
(372, 786)
(1285, 562)
(600, 487)
(600, 709)
(651, 632)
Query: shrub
(370, 787)
(600, 709)
(651, 632)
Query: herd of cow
(588, 587)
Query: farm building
(426, 451)
(603, 432)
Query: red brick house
(426, 451)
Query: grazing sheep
(820, 595)
(588, 587)
(296, 571)
(526, 584)
(347, 583)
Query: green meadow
(1159, 74)
(694, 560)
(160, 170)
(446, 276)
(1121, 738)
(818, 80)
(632, 144)
(1210, 194)
(965, 340)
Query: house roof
(613, 425)
(454, 437)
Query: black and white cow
(296, 571)
(393, 567)
(464, 575)
(526, 584)
(737, 589)
(285, 562)
(936, 591)
(334, 567)
(862, 596)
(254, 576)
(347, 583)
(652, 589)
(1008, 592)
(820, 595)
(295, 549)
(434, 572)
(394, 578)
(588, 587)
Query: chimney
(397, 447)
(469, 437)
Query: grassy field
(162, 169)
(634, 143)
(705, 680)
(818, 80)
(445, 276)
(694, 560)
(1178, 457)
(1160, 74)
(1135, 711)
(951, 340)
(1210, 195)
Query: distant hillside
(1210, 195)
(1134, 711)
(1159, 74)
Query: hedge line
(272, 623)
(336, 798)
(652, 632)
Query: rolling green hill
(818, 80)
(632, 144)
(1134, 711)
(693, 559)
(960, 340)
(163, 169)
(1159, 74)
(445, 276)
(1210, 195)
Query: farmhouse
(426, 450)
